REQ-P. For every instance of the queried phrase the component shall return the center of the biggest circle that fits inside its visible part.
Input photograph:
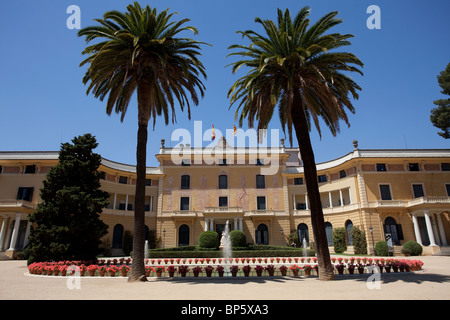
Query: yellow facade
(404, 193)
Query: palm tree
(291, 66)
(141, 51)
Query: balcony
(223, 209)
(17, 204)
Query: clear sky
(43, 101)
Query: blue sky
(43, 101)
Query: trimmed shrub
(381, 249)
(209, 239)
(339, 242)
(238, 238)
(412, 248)
(359, 240)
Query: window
(447, 187)
(223, 181)
(322, 178)
(1, 169)
(186, 162)
(342, 174)
(348, 229)
(148, 182)
(223, 162)
(261, 203)
(385, 192)
(444, 167)
(185, 181)
(303, 235)
(123, 180)
(259, 162)
(117, 236)
(223, 201)
(30, 169)
(184, 203)
(418, 190)
(329, 233)
(103, 175)
(381, 167)
(413, 167)
(260, 182)
(122, 205)
(300, 206)
(25, 193)
(298, 181)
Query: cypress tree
(66, 224)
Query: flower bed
(219, 267)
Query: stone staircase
(3, 256)
(445, 251)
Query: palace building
(398, 194)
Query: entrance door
(262, 234)
(423, 231)
(183, 235)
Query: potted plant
(360, 268)
(112, 271)
(102, 271)
(82, 270)
(340, 268)
(171, 270)
(147, 271)
(183, 270)
(316, 268)
(351, 268)
(270, 269)
(246, 270)
(234, 270)
(283, 270)
(307, 269)
(197, 270)
(220, 270)
(208, 270)
(91, 269)
(55, 270)
(158, 270)
(295, 269)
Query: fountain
(304, 245)
(225, 247)
(146, 250)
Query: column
(306, 201)
(115, 198)
(151, 203)
(211, 224)
(240, 224)
(435, 230)
(293, 202)
(341, 198)
(441, 229)
(429, 228)
(235, 224)
(15, 233)
(349, 195)
(126, 202)
(206, 224)
(3, 232)
(416, 229)
(27, 233)
(330, 200)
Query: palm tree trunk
(138, 267)
(312, 186)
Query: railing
(223, 209)
(429, 200)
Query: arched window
(303, 234)
(329, 233)
(223, 181)
(147, 233)
(348, 229)
(183, 235)
(117, 236)
(262, 234)
(391, 227)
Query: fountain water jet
(225, 246)
(304, 245)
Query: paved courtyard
(432, 283)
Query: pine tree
(440, 116)
(66, 224)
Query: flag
(234, 130)
(213, 133)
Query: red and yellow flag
(213, 133)
(234, 130)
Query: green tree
(292, 66)
(66, 224)
(440, 116)
(141, 51)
